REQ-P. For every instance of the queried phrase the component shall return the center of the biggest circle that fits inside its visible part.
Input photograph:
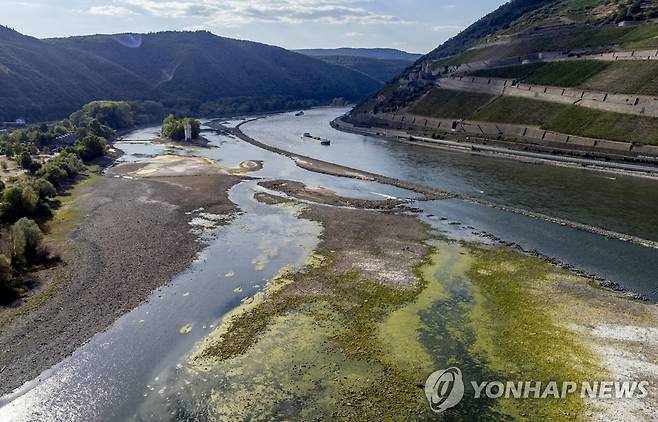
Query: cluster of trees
(34, 139)
(24, 200)
(20, 248)
(174, 129)
(28, 198)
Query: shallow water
(111, 375)
(627, 264)
(620, 203)
(623, 203)
(125, 372)
(229, 152)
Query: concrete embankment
(347, 127)
(537, 139)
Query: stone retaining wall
(619, 103)
(548, 57)
(533, 134)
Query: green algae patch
(356, 349)
(517, 337)
(401, 330)
(324, 351)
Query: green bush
(91, 147)
(26, 237)
(174, 129)
(25, 161)
(18, 201)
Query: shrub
(91, 147)
(18, 201)
(5, 272)
(25, 160)
(174, 129)
(26, 237)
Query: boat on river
(323, 141)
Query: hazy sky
(412, 25)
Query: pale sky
(412, 25)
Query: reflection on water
(615, 202)
(229, 152)
(133, 363)
(627, 264)
(108, 377)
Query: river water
(624, 204)
(112, 376)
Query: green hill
(381, 64)
(382, 70)
(369, 53)
(191, 71)
(566, 44)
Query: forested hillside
(194, 72)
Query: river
(121, 369)
(619, 203)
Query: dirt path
(132, 236)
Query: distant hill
(371, 53)
(382, 70)
(381, 64)
(191, 71)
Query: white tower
(188, 132)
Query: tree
(18, 201)
(26, 237)
(115, 114)
(25, 161)
(174, 129)
(91, 147)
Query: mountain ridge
(371, 53)
(191, 71)
(583, 71)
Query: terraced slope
(606, 48)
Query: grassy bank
(622, 77)
(518, 110)
(566, 74)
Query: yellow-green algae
(517, 337)
(362, 351)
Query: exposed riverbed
(295, 309)
(620, 203)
